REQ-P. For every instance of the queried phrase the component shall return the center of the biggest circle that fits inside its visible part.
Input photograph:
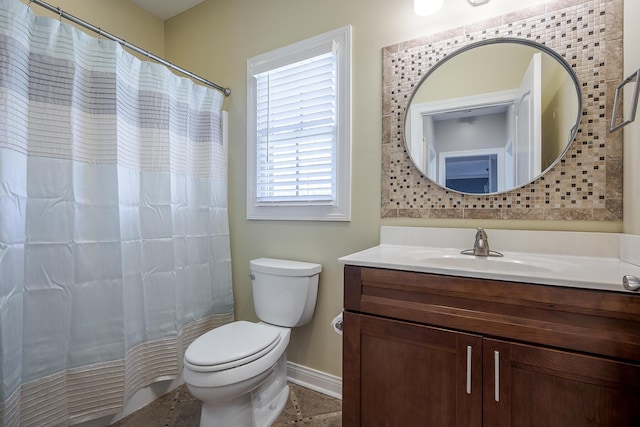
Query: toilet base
(264, 417)
(257, 408)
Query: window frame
(338, 40)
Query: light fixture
(477, 2)
(426, 7)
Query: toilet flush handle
(631, 283)
(252, 276)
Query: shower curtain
(114, 236)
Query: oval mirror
(493, 116)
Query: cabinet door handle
(468, 369)
(496, 362)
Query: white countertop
(574, 259)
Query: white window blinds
(299, 130)
(296, 133)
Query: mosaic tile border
(586, 184)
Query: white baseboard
(319, 381)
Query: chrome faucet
(481, 245)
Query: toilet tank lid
(284, 267)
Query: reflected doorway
(472, 174)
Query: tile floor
(179, 409)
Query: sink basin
(510, 263)
(468, 262)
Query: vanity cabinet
(431, 350)
(526, 385)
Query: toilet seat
(231, 345)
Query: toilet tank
(284, 291)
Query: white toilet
(239, 370)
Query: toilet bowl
(239, 370)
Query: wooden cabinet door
(530, 386)
(404, 374)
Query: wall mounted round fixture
(427, 7)
(477, 2)
(497, 133)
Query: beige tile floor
(179, 409)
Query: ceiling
(165, 9)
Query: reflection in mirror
(493, 116)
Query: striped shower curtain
(114, 236)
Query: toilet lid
(231, 345)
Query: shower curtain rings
(124, 43)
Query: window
(299, 130)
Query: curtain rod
(76, 20)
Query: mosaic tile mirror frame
(586, 184)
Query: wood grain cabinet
(431, 350)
